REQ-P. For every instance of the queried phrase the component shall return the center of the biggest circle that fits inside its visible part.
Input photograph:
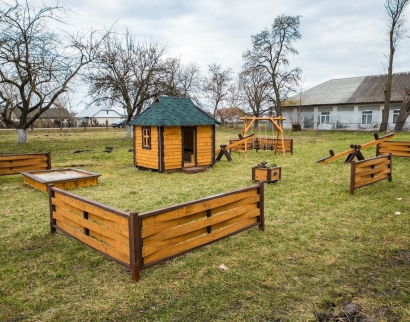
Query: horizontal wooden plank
(193, 243)
(237, 203)
(207, 221)
(151, 230)
(381, 174)
(92, 242)
(22, 156)
(249, 215)
(61, 219)
(77, 183)
(35, 184)
(121, 229)
(16, 170)
(23, 163)
(395, 143)
(84, 204)
(370, 170)
(388, 148)
(123, 248)
(197, 206)
(152, 248)
(369, 162)
(62, 204)
(93, 226)
(400, 153)
(369, 181)
(146, 165)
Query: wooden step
(194, 169)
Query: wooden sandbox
(66, 178)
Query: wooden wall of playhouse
(17, 163)
(166, 152)
(140, 241)
(369, 171)
(205, 147)
(172, 147)
(146, 158)
(396, 148)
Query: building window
(325, 117)
(395, 115)
(146, 137)
(367, 117)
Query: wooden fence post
(352, 177)
(135, 226)
(48, 160)
(261, 205)
(52, 208)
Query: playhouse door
(189, 146)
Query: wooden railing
(140, 241)
(396, 148)
(17, 163)
(264, 144)
(369, 171)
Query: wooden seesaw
(225, 147)
(354, 151)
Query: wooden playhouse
(173, 134)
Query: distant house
(172, 134)
(347, 104)
(97, 115)
(50, 117)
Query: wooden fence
(264, 144)
(139, 241)
(369, 171)
(17, 163)
(396, 148)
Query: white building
(98, 115)
(347, 104)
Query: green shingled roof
(173, 111)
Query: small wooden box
(61, 178)
(266, 174)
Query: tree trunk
(404, 112)
(385, 119)
(128, 130)
(22, 136)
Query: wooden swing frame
(277, 123)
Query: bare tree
(270, 51)
(190, 81)
(395, 19)
(181, 80)
(128, 74)
(36, 63)
(216, 85)
(256, 89)
(404, 112)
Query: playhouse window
(325, 118)
(367, 117)
(146, 137)
(395, 115)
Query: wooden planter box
(266, 174)
(66, 178)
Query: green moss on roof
(173, 111)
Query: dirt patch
(349, 313)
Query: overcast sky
(344, 38)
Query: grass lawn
(321, 250)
